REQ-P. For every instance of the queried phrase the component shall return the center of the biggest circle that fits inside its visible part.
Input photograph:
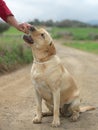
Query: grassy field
(14, 53)
(13, 31)
(85, 39)
(89, 46)
(78, 33)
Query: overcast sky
(26, 10)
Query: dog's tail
(86, 108)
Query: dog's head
(41, 43)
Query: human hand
(24, 27)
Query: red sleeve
(4, 11)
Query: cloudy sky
(26, 10)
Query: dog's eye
(43, 35)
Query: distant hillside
(72, 23)
(93, 22)
(63, 23)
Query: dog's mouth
(28, 39)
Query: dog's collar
(38, 62)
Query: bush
(13, 54)
(3, 27)
(66, 35)
(93, 36)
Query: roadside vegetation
(85, 39)
(88, 46)
(14, 53)
(89, 33)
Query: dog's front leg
(56, 101)
(38, 117)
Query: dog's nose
(32, 28)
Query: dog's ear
(51, 49)
(50, 43)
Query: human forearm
(19, 26)
(12, 21)
(8, 17)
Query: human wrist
(12, 21)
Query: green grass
(78, 33)
(88, 46)
(13, 31)
(13, 51)
(81, 38)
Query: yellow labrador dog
(52, 82)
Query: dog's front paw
(37, 120)
(55, 123)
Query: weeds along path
(17, 105)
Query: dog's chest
(40, 73)
(37, 75)
(40, 83)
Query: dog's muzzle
(28, 39)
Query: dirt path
(17, 106)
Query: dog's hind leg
(75, 109)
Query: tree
(49, 23)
